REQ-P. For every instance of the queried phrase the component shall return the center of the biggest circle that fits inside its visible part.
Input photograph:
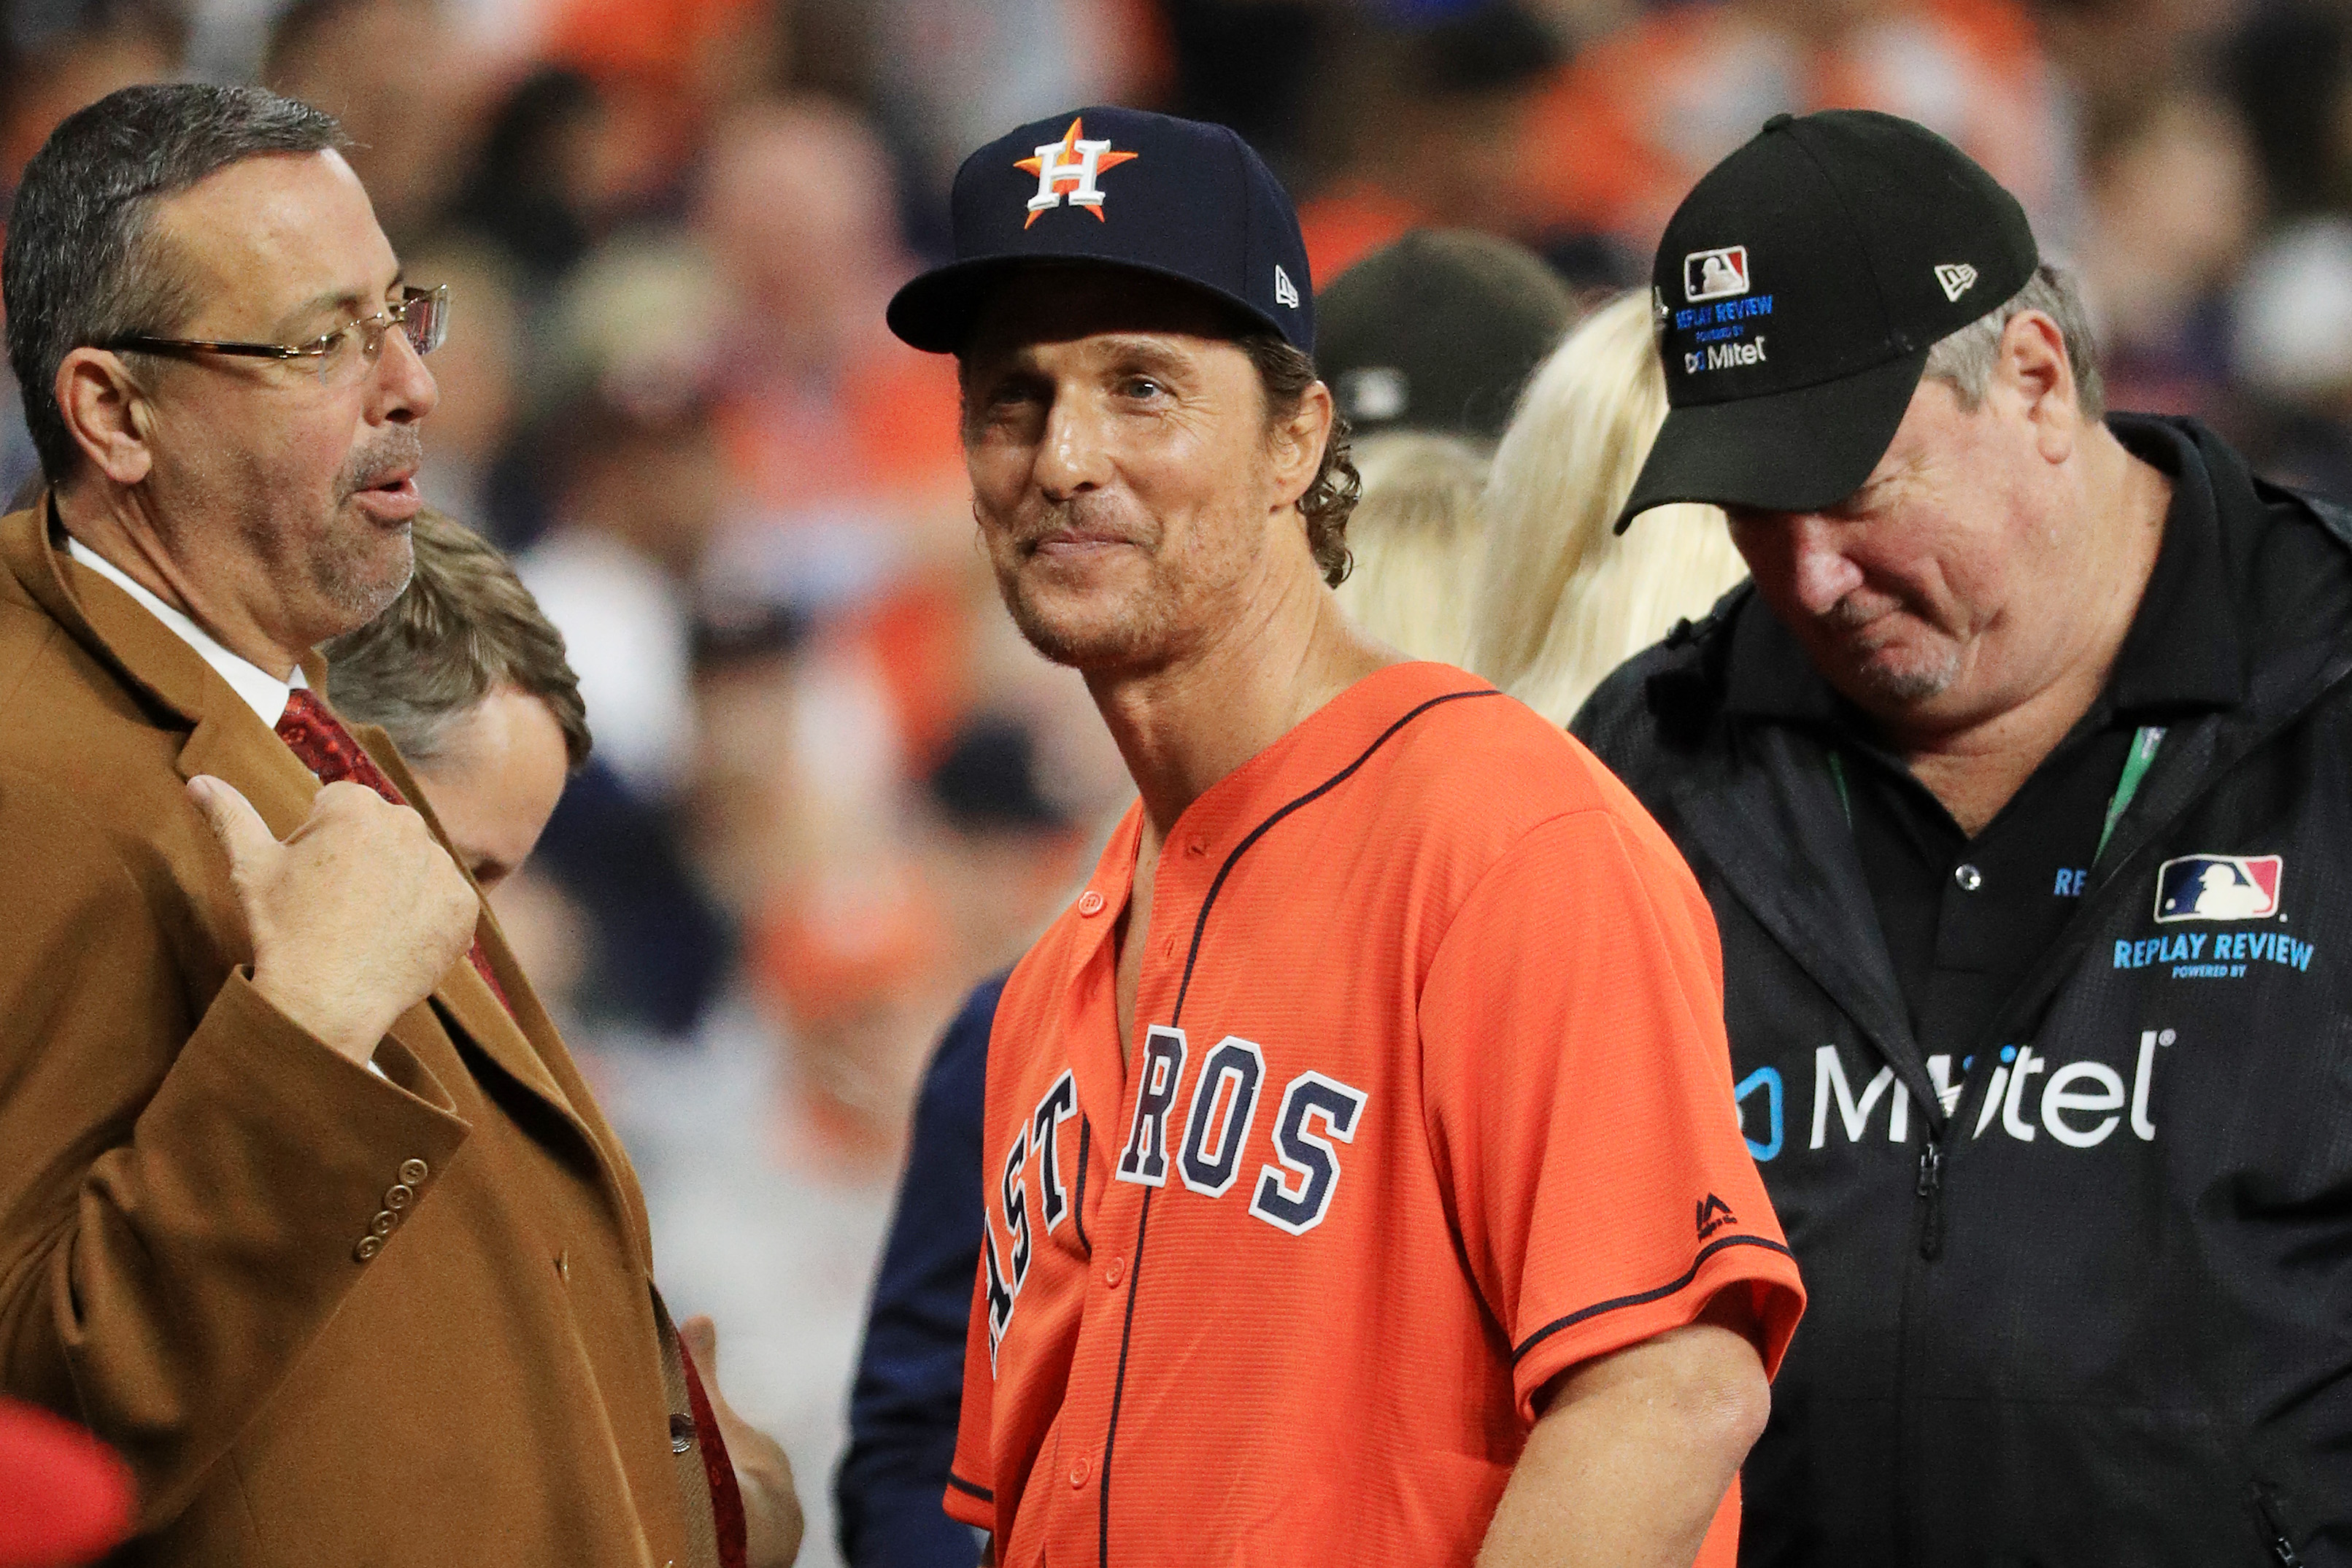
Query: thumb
(700, 1337)
(239, 827)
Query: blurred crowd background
(831, 788)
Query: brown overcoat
(187, 1177)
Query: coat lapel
(227, 740)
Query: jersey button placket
(1115, 1273)
(1080, 1469)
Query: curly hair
(1287, 373)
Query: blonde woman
(1415, 537)
(1562, 599)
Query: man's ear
(1298, 441)
(2034, 368)
(107, 413)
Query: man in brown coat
(303, 1207)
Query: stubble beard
(347, 560)
(1133, 631)
(1919, 677)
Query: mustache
(1855, 611)
(1085, 514)
(400, 452)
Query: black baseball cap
(1117, 187)
(1438, 330)
(1796, 292)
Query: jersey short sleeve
(970, 1494)
(1580, 1100)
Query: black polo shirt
(1964, 918)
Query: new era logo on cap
(1957, 279)
(1285, 293)
(1714, 274)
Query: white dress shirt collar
(263, 692)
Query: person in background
(1561, 598)
(469, 680)
(909, 1393)
(1426, 343)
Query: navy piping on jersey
(1594, 1311)
(1126, 1334)
(1175, 1019)
(1079, 1208)
(962, 1485)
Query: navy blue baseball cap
(1117, 187)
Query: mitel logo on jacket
(2218, 887)
(1714, 274)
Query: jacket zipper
(1930, 1190)
(2281, 1547)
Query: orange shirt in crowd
(1428, 1101)
(1617, 141)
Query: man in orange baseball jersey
(1363, 1179)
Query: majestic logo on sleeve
(1714, 274)
(2218, 887)
(1067, 170)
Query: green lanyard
(2136, 766)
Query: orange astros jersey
(1428, 1102)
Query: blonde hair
(1417, 542)
(1562, 599)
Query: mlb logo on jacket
(2218, 887)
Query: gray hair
(1965, 359)
(83, 262)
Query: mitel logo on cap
(1069, 168)
(1714, 274)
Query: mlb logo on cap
(2218, 887)
(1714, 274)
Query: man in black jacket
(2020, 782)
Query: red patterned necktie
(317, 737)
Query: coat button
(1115, 1273)
(413, 1172)
(368, 1248)
(682, 1434)
(396, 1197)
(1079, 1471)
(1090, 902)
(1968, 877)
(383, 1223)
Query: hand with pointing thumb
(354, 918)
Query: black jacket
(2106, 1320)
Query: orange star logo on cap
(1067, 169)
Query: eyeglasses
(423, 314)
